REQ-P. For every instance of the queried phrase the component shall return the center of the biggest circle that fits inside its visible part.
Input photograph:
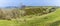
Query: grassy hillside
(50, 19)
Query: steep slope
(51, 19)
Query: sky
(4, 3)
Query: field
(49, 19)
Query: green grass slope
(51, 19)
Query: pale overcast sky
(4, 3)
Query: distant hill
(12, 7)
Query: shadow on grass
(55, 23)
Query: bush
(33, 11)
